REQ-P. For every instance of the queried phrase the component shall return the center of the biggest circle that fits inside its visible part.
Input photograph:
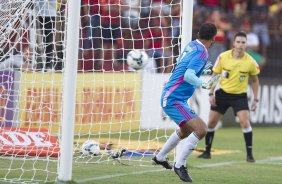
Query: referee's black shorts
(225, 100)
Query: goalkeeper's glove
(207, 72)
(212, 82)
(206, 85)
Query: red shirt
(93, 6)
(231, 4)
(211, 2)
(156, 37)
(110, 11)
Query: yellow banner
(105, 102)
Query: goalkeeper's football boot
(205, 154)
(165, 163)
(183, 173)
(250, 158)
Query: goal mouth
(101, 97)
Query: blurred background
(133, 21)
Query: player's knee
(204, 131)
(212, 124)
(182, 134)
(245, 124)
(201, 132)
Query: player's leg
(241, 109)
(171, 143)
(244, 118)
(182, 114)
(199, 129)
(48, 26)
(214, 117)
(216, 112)
(194, 129)
(173, 112)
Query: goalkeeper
(179, 88)
(235, 67)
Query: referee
(236, 68)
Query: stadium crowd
(111, 28)
(155, 27)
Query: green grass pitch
(228, 168)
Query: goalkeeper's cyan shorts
(179, 112)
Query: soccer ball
(90, 148)
(137, 59)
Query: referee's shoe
(250, 158)
(183, 173)
(205, 154)
(165, 163)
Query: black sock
(249, 142)
(209, 138)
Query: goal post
(187, 23)
(69, 92)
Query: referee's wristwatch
(210, 94)
(256, 100)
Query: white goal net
(116, 106)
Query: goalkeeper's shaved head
(207, 31)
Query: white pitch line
(118, 175)
(270, 159)
(263, 161)
(267, 160)
(216, 164)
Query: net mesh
(30, 97)
(116, 106)
(14, 15)
(113, 110)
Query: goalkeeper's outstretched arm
(191, 78)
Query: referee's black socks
(249, 142)
(209, 138)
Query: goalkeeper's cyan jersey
(194, 56)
